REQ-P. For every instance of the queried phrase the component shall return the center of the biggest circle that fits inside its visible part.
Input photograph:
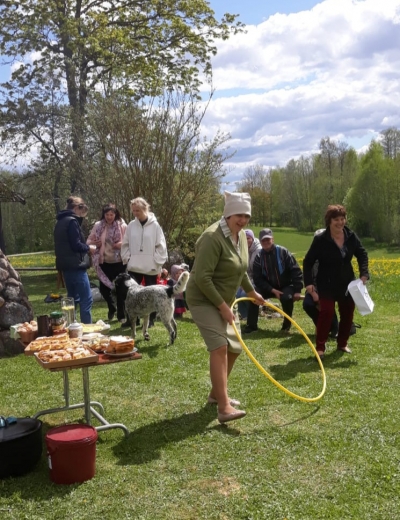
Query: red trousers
(327, 309)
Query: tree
(257, 181)
(155, 150)
(390, 141)
(63, 51)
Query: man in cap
(276, 274)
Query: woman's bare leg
(221, 364)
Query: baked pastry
(120, 344)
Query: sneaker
(285, 330)
(249, 330)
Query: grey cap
(265, 233)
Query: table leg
(89, 410)
(67, 406)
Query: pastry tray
(89, 360)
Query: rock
(14, 307)
(3, 274)
(12, 313)
(12, 294)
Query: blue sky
(304, 70)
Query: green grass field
(334, 459)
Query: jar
(75, 330)
(57, 322)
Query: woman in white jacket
(144, 249)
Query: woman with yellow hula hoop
(263, 371)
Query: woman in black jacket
(333, 250)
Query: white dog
(141, 301)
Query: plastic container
(75, 330)
(71, 452)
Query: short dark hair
(110, 207)
(333, 211)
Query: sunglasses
(81, 206)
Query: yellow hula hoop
(263, 371)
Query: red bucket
(71, 452)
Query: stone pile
(14, 307)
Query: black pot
(21, 446)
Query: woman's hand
(364, 279)
(314, 295)
(226, 313)
(92, 248)
(117, 245)
(259, 300)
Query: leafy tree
(155, 150)
(257, 181)
(62, 51)
(390, 141)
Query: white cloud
(293, 79)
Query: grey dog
(140, 301)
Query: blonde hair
(142, 203)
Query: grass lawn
(335, 459)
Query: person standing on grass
(333, 250)
(220, 268)
(107, 235)
(276, 274)
(180, 304)
(144, 248)
(311, 302)
(254, 247)
(71, 253)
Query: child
(180, 305)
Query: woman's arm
(125, 251)
(160, 253)
(92, 236)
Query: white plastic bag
(361, 297)
(96, 295)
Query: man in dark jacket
(276, 274)
(72, 255)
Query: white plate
(91, 335)
(96, 327)
(120, 354)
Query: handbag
(85, 262)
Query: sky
(304, 70)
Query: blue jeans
(242, 306)
(78, 288)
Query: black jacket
(69, 242)
(335, 271)
(276, 269)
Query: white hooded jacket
(144, 248)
